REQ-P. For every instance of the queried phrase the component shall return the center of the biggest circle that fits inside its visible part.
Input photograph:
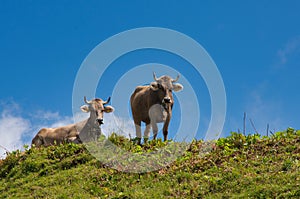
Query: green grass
(237, 167)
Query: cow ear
(177, 87)
(85, 108)
(108, 109)
(154, 86)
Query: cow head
(164, 87)
(97, 107)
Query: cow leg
(138, 132)
(166, 126)
(147, 132)
(154, 129)
(165, 132)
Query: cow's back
(51, 136)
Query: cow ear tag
(108, 109)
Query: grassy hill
(237, 167)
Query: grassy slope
(237, 167)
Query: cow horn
(154, 76)
(175, 80)
(107, 101)
(86, 101)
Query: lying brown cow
(83, 131)
(153, 104)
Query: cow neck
(89, 129)
(91, 121)
(87, 123)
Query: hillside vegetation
(237, 167)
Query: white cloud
(62, 121)
(11, 130)
(45, 115)
(17, 130)
(290, 48)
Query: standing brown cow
(153, 104)
(83, 131)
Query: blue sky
(255, 45)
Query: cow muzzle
(100, 121)
(167, 100)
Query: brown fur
(51, 136)
(86, 130)
(152, 97)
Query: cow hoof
(136, 140)
(146, 140)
